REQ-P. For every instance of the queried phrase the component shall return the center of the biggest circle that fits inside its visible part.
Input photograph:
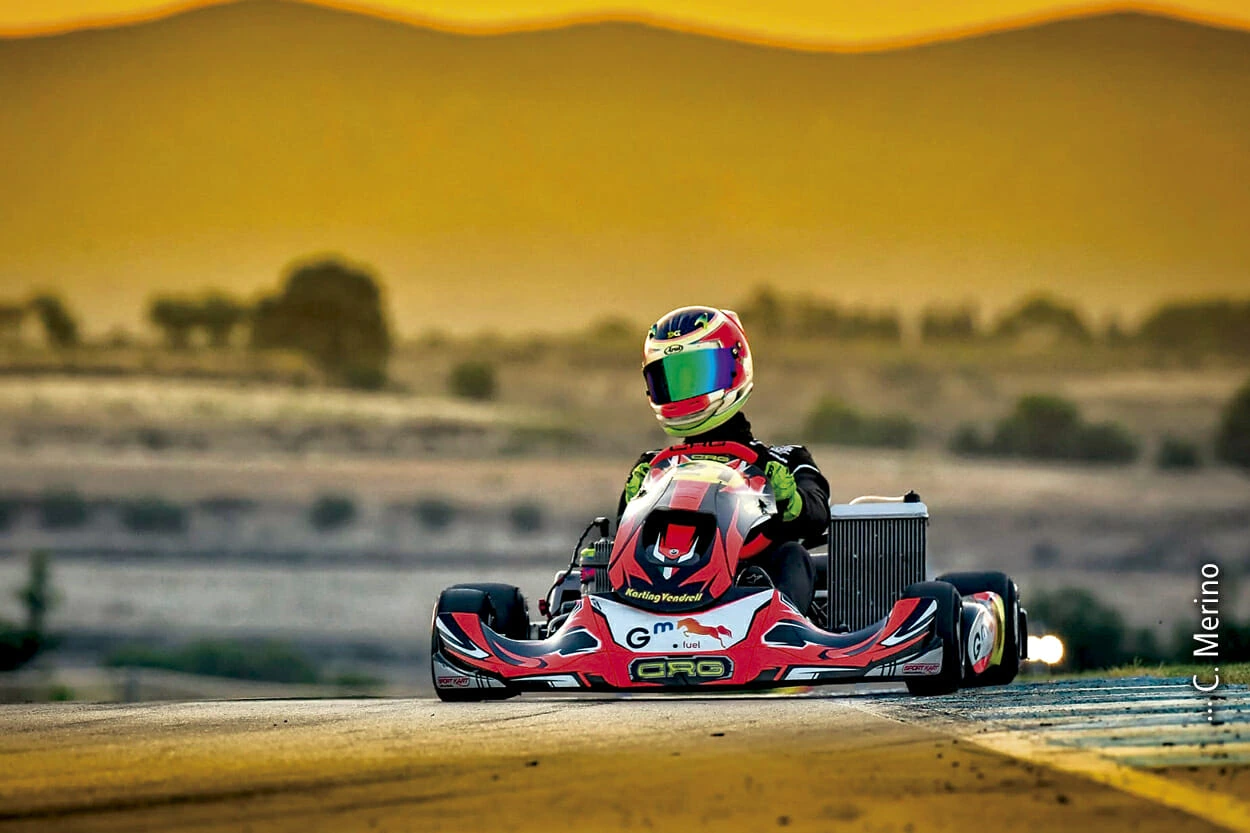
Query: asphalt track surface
(1138, 755)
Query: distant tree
(177, 317)
(332, 512)
(1232, 441)
(1175, 453)
(813, 318)
(1044, 314)
(473, 380)
(331, 311)
(810, 317)
(948, 324)
(1114, 334)
(763, 312)
(37, 596)
(11, 318)
(614, 328)
(20, 644)
(220, 316)
(1215, 326)
(59, 325)
(883, 325)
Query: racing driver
(697, 366)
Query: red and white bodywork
(675, 618)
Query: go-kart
(673, 603)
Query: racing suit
(786, 561)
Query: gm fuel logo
(677, 671)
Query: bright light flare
(1047, 649)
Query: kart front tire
(465, 599)
(946, 628)
(1000, 583)
(512, 614)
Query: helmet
(697, 366)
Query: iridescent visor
(689, 373)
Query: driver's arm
(813, 489)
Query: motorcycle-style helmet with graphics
(697, 366)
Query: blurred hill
(523, 181)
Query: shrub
(61, 693)
(1041, 428)
(1093, 633)
(1236, 642)
(1177, 454)
(434, 513)
(1045, 554)
(1106, 442)
(364, 377)
(65, 509)
(17, 646)
(268, 661)
(154, 439)
(526, 517)
(473, 380)
(967, 440)
(332, 512)
(1050, 428)
(1232, 441)
(10, 511)
(227, 505)
(834, 421)
(153, 514)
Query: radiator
(875, 551)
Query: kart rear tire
(465, 599)
(1000, 583)
(946, 624)
(511, 610)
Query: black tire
(465, 599)
(1000, 583)
(946, 624)
(511, 610)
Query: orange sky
(1102, 159)
(823, 24)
